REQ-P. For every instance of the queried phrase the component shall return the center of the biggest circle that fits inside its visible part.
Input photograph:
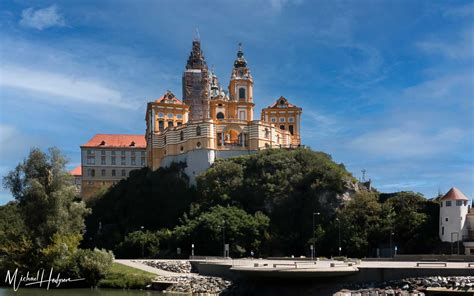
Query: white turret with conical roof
(452, 214)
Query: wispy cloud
(405, 142)
(463, 48)
(43, 18)
(60, 85)
(277, 5)
(466, 10)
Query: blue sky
(385, 86)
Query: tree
(360, 224)
(415, 224)
(287, 186)
(46, 196)
(206, 230)
(139, 244)
(153, 199)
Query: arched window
(241, 93)
(161, 125)
(181, 136)
(170, 123)
(198, 130)
(282, 127)
(220, 115)
(290, 127)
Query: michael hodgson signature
(15, 279)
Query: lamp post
(143, 243)
(192, 250)
(223, 236)
(391, 243)
(314, 238)
(339, 227)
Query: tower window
(170, 124)
(164, 140)
(282, 127)
(161, 125)
(220, 115)
(458, 203)
(282, 119)
(198, 130)
(170, 115)
(267, 133)
(161, 115)
(181, 136)
(198, 145)
(241, 93)
(448, 203)
(290, 128)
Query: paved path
(160, 272)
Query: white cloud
(462, 48)
(60, 85)
(42, 18)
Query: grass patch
(125, 277)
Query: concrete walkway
(133, 263)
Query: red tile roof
(116, 141)
(77, 171)
(454, 194)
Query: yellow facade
(225, 126)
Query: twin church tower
(207, 124)
(211, 123)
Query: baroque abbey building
(211, 123)
(207, 124)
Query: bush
(139, 244)
(93, 265)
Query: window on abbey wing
(220, 115)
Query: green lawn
(125, 277)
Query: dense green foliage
(139, 244)
(265, 203)
(207, 231)
(43, 227)
(367, 223)
(153, 200)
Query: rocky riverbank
(410, 286)
(179, 266)
(185, 281)
(195, 284)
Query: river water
(78, 292)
